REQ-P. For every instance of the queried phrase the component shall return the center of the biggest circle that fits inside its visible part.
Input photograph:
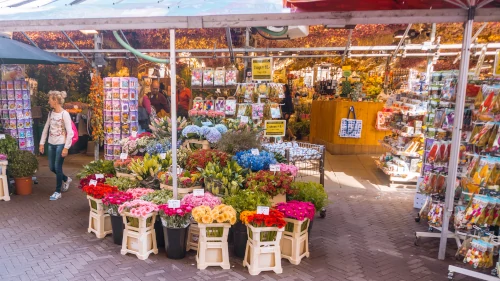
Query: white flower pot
(99, 220)
(295, 243)
(263, 255)
(140, 239)
(213, 251)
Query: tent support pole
(173, 110)
(457, 131)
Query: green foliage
(280, 158)
(122, 183)
(8, 146)
(301, 128)
(223, 181)
(97, 167)
(22, 164)
(232, 142)
(247, 200)
(310, 192)
(158, 196)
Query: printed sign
(93, 182)
(274, 168)
(262, 69)
(99, 176)
(173, 204)
(275, 128)
(198, 192)
(244, 119)
(124, 156)
(255, 151)
(261, 210)
(496, 66)
(2, 136)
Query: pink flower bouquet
(175, 217)
(290, 169)
(138, 208)
(206, 200)
(114, 200)
(297, 210)
(137, 193)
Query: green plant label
(199, 192)
(174, 204)
(124, 156)
(262, 210)
(93, 182)
(99, 176)
(255, 151)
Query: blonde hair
(59, 96)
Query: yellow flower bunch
(244, 216)
(219, 214)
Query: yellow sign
(275, 128)
(496, 66)
(262, 69)
(346, 70)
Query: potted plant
(146, 170)
(261, 161)
(223, 181)
(214, 224)
(310, 192)
(275, 184)
(8, 146)
(123, 184)
(175, 229)
(186, 182)
(137, 193)
(244, 200)
(97, 167)
(158, 197)
(200, 158)
(98, 178)
(112, 202)
(22, 166)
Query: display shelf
(403, 134)
(398, 177)
(468, 272)
(399, 152)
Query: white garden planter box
(213, 248)
(139, 239)
(4, 186)
(295, 241)
(124, 175)
(280, 198)
(263, 255)
(193, 237)
(99, 220)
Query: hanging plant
(96, 104)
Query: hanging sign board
(262, 69)
(275, 128)
(346, 70)
(496, 66)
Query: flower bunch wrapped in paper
(206, 200)
(113, 201)
(218, 214)
(274, 219)
(175, 217)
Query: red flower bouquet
(274, 219)
(99, 190)
(272, 183)
(175, 217)
(85, 181)
(113, 201)
(297, 210)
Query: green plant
(301, 128)
(146, 168)
(200, 158)
(22, 164)
(8, 145)
(280, 158)
(310, 192)
(247, 200)
(221, 180)
(232, 142)
(122, 183)
(158, 196)
(97, 167)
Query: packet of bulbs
(480, 254)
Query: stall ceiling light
(340, 26)
(87, 32)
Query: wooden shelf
(399, 152)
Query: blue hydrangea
(204, 130)
(212, 135)
(255, 162)
(191, 130)
(221, 128)
(159, 146)
(208, 123)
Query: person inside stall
(183, 98)
(287, 110)
(158, 100)
(144, 111)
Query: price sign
(2, 136)
(255, 151)
(99, 176)
(134, 134)
(261, 210)
(274, 168)
(244, 119)
(124, 156)
(174, 204)
(93, 182)
(281, 96)
(199, 192)
(163, 156)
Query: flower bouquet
(123, 184)
(146, 170)
(206, 200)
(157, 146)
(200, 158)
(274, 219)
(85, 181)
(113, 201)
(121, 166)
(296, 210)
(162, 127)
(158, 196)
(136, 209)
(175, 217)
(255, 162)
(289, 169)
(175, 229)
(137, 193)
(134, 146)
(217, 215)
(272, 183)
(99, 190)
(221, 180)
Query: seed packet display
(21, 133)
(12, 105)
(19, 104)
(10, 85)
(124, 94)
(17, 85)
(26, 95)
(125, 105)
(125, 129)
(27, 123)
(107, 82)
(219, 105)
(116, 139)
(29, 141)
(117, 150)
(134, 127)
(133, 105)
(12, 114)
(133, 82)
(116, 105)
(108, 94)
(13, 125)
(116, 128)
(5, 114)
(116, 94)
(132, 93)
(19, 114)
(124, 82)
(108, 128)
(108, 105)
(24, 85)
(115, 82)
(257, 111)
(230, 107)
(109, 150)
(29, 134)
(116, 117)
(11, 95)
(20, 124)
(26, 104)
(13, 133)
(134, 116)
(3, 95)
(19, 95)
(275, 111)
(22, 143)
(125, 117)
(108, 116)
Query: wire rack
(308, 167)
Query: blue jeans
(55, 164)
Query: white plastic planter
(99, 220)
(263, 255)
(295, 243)
(4, 186)
(213, 249)
(193, 237)
(140, 239)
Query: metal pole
(96, 47)
(457, 132)
(429, 59)
(173, 110)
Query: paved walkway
(368, 234)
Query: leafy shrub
(22, 164)
(232, 142)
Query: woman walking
(59, 130)
(287, 110)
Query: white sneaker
(55, 196)
(66, 184)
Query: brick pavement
(368, 234)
